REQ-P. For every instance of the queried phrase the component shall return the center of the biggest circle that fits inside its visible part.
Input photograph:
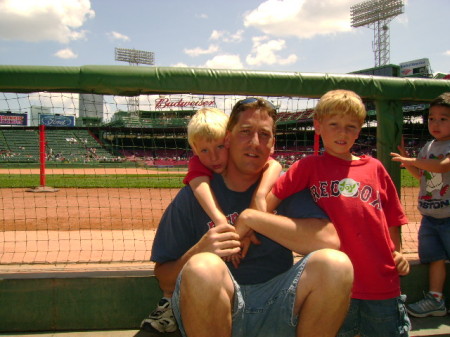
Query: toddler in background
(432, 168)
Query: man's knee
(332, 265)
(205, 269)
(206, 275)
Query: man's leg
(206, 297)
(323, 293)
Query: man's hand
(221, 240)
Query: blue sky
(275, 35)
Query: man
(266, 295)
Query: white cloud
(447, 53)
(180, 64)
(118, 36)
(225, 61)
(66, 53)
(225, 36)
(51, 20)
(199, 51)
(301, 18)
(202, 16)
(264, 51)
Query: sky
(310, 36)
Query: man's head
(250, 138)
(251, 103)
(206, 133)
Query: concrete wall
(104, 301)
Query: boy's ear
(316, 124)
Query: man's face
(251, 141)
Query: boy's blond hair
(207, 124)
(340, 102)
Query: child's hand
(405, 161)
(402, 156)
(235, 259)
(247, 241)
(401, 263)
(245, 245)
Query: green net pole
(389, 134)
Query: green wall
(83, 303)
(90, 302)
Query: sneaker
(161, 319)
(428, 306)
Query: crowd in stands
(160, 157)
(79, 149)
(88, 156)
(8, 155)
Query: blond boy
(362, 202)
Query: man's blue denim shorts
(264, 309)
(434, 239)
(376, 318)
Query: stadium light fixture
(134, 57)
(377, 14)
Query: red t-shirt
(362, 202)
(196, 169)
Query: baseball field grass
(159, 180)
(94, 180)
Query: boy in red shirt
(362, 202)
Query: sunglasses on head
(249, 100)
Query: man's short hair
(208, 124)
(340, 102)
(251, 103)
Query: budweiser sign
(161, 103)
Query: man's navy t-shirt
(185, 222)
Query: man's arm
(299, 235)
(221, 240)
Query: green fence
(118, 225)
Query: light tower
(377, 14)
(134, 58)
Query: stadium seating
(62, 145)
(20, 146)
